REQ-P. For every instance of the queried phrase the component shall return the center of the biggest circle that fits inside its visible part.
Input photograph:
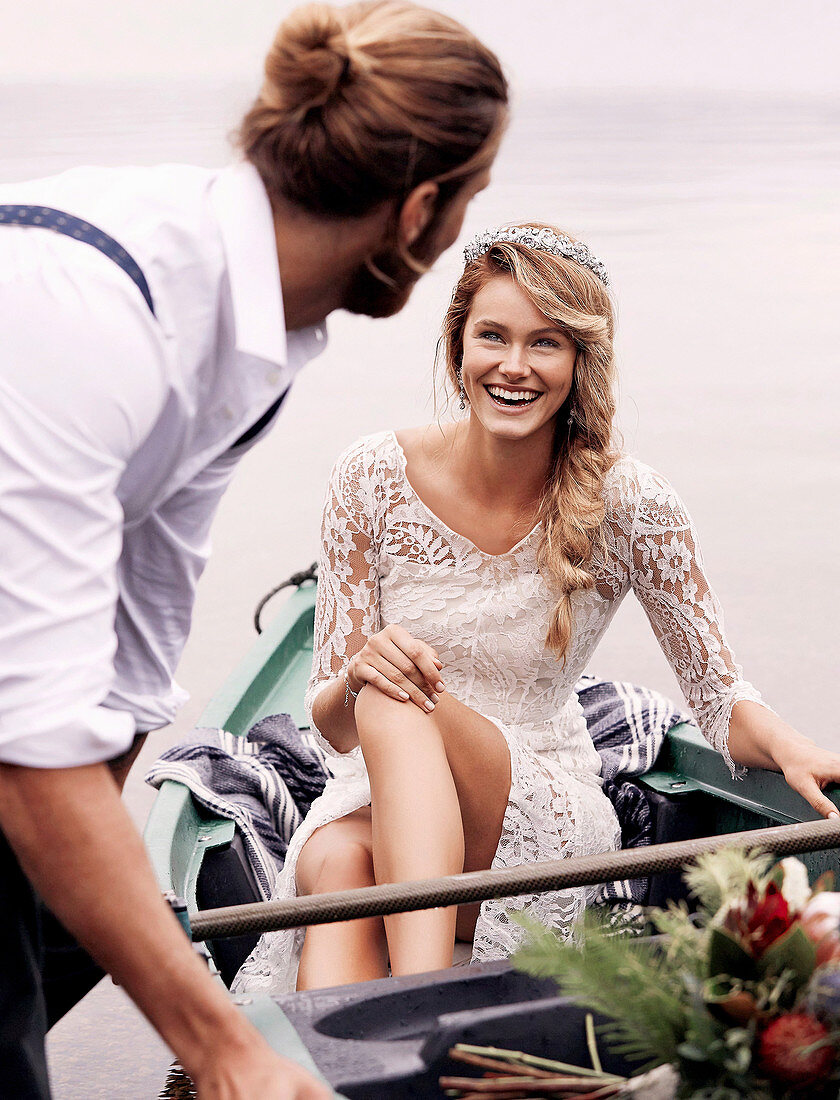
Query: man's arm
(77, 845)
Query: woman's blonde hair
(362, 103)
(572, 505)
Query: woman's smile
(512, 399)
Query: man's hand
(257, 1074)
(81, 852)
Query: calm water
(719, 221)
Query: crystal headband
(544, 240)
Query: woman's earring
(462, 393)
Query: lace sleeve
(347, 608)
(669, 580)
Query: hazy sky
(730, 44)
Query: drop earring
(462, 393)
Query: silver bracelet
(348, 691)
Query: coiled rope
(476, 886)
(296, 579)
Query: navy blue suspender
(46, 218)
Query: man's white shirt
(116, 430)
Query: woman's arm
(347, 607)
(668, 577)
(350, 648)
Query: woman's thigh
(479, 759)
(338, 855)
(476, 752)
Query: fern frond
(628, 981)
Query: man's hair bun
(310, 61)
(362, 102)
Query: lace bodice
(386, 558)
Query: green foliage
(716, 1059)
(725, 874)
(620, 977)
(687, 944)
(793, 952)
(727, 956)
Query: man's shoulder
(87, 187)
(161, 214)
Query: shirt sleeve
(669, 580)
(81, 382)
(347, 611)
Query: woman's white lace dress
(387, 559)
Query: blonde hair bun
(363, 101)
(309, 62)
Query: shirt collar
(247, 228)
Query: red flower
(785, 1054)
(758, 921)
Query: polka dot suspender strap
(44, 217)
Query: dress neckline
(436, 518)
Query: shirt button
(227, 412)
(272, 377)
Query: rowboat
(389, 1038)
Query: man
(152, 321)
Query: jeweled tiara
(544, 240)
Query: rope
(296, 579)
(475, 886)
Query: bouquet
(739, 999)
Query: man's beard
(370, 294)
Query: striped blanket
(266, 782)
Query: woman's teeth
(512, 397)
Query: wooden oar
(475, 886)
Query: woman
(468, 572)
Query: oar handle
(475, 886)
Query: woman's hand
(808, 768)
(759, 738)
(399, 666)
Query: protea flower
(795, 1048)
(759, 919)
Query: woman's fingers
(421, 656)
(381, 674)
(399, 666)
(410, 670)
(811, 790)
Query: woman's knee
(333, 861)
(382, 722)
(373, 706)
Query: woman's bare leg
(338, 856)
(439, 789)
